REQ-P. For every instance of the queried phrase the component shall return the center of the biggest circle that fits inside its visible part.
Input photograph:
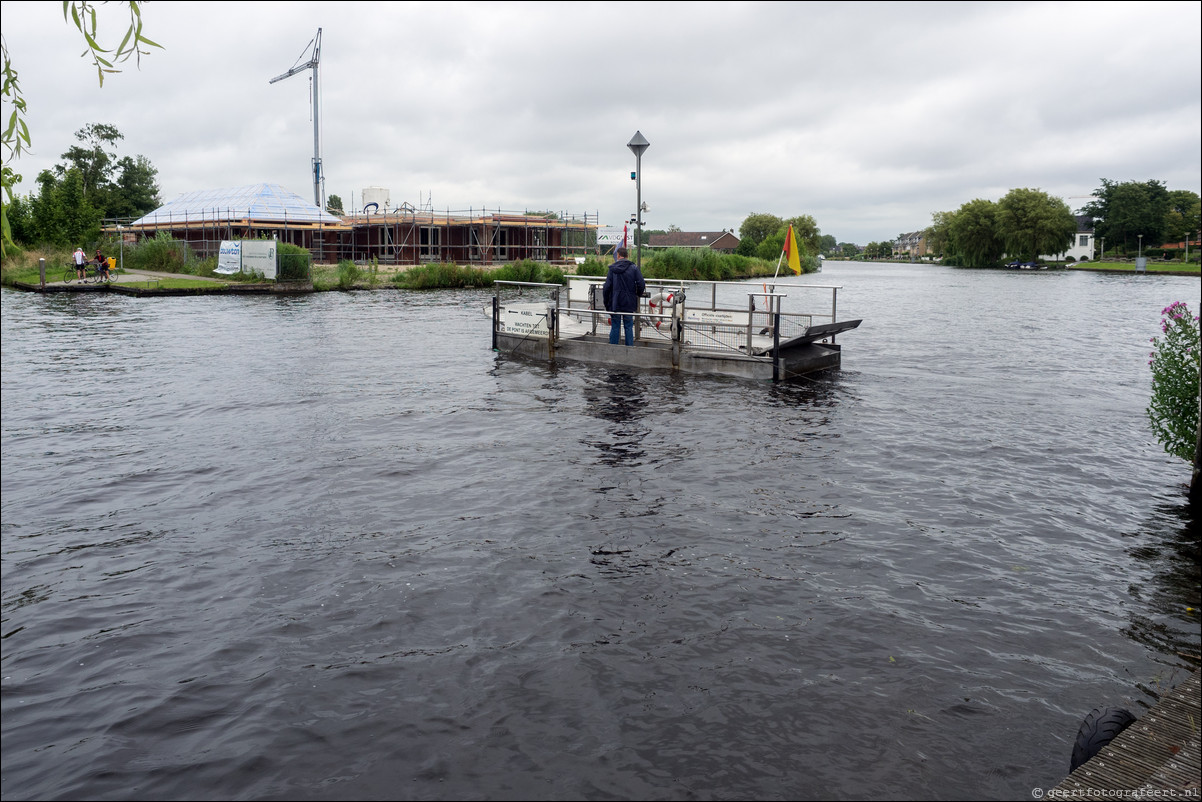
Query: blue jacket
(623, 287)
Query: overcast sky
(866, 116)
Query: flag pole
(779, 259)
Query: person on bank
(80, 263)
(623, 287)
(102, 267)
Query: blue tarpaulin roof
(265, 202)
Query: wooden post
(776, 345)
(496, 307)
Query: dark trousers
(617, 323)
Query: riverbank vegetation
(670, 264)
(1176, 363)
(1023, 224)
(1128, 219)
(1170, 268)
(160, 254)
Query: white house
(1082, 249)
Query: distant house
(721, 241)
(1082, 249)
(1177, 246)
(913, 245)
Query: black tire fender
(1100, 727)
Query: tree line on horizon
(1025, 224)
(762, 236)
(1028, 223)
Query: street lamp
(1140, 253)
(637, 144)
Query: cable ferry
(725, 328)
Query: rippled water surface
(334, 547)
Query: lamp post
(637, 144)
(1140, 253)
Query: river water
(335, 547)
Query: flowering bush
(1175, 368)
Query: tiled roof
(690, 239)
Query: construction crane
(318, 178)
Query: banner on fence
(229, 259)
(247, 256)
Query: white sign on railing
(715, 316)
(525, 320)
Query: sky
(869, 117)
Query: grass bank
(22, 267)
(673, 264)
(173, 284)
(1162, 268)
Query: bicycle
(92, 274)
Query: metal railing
(697, 314)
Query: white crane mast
(318, 178)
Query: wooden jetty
(1156, 757)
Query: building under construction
(404, 235)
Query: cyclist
(80, 267)
(102, 267)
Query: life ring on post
(658, 303)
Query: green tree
(15, 138)
(110, 189)
(46, 215)
(763, 236)
(827, 244)
(938, 234)
(975, 236)
(60, 213)
(1032, 223)
(878, 250)
(79, 219)
(1124, 211)
(20, 219)
(94, 161)
(334, 204)
(849, 249)
(805, 228)
(1184, 216)
(755, 229)
(136, 191)
(1173, 410)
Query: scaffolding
(404, 236)
(410, 236)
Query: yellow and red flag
(791, 255)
